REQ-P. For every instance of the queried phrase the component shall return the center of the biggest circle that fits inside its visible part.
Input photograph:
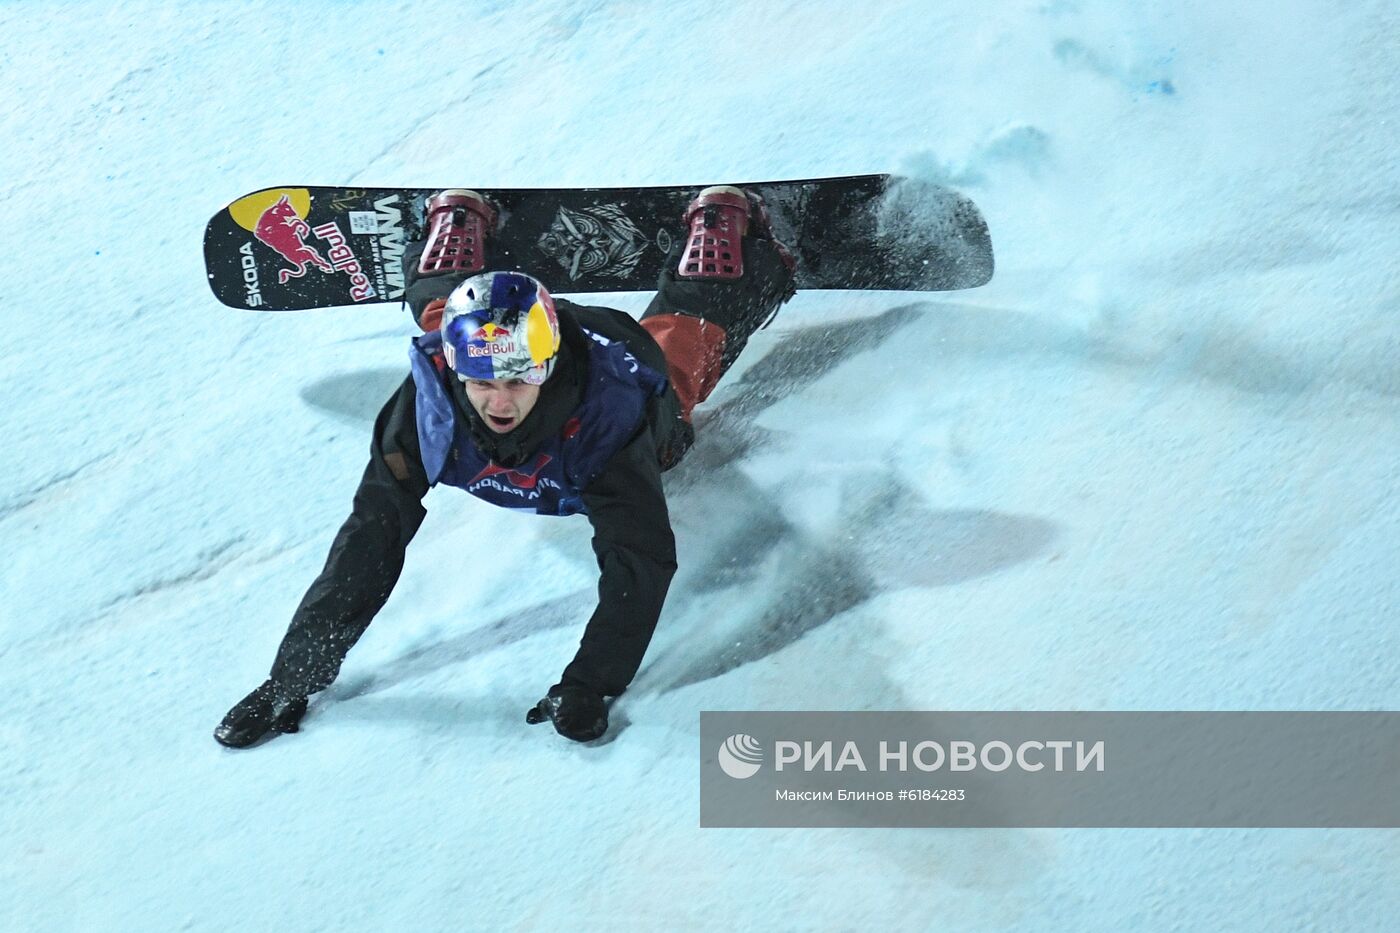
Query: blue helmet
(501, 325)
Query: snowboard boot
(731, 277)
(460, 223)
(270, 708)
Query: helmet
(500, 325)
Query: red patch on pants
(694, 350)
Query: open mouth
(500, 424)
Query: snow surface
(1152, 465)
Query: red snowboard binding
(459, 222)
(716, 223)
(705, 311)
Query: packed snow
(1151, 465)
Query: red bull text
(343, 259)
(493, 338)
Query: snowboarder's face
(502, 403)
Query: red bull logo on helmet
(501, 325)
(491, 340)
(489, 351)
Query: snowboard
(287, 249)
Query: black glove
(577, 712)
(270, 708)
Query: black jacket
(632, 535)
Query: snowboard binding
(716, 222)
(459, 223)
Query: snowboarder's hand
(577, 712)
(270, 708)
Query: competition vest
(551, 482)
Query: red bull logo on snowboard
(277, 218)
(283, 229)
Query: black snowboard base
(285, 249)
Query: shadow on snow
(733, 535)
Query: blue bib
(614, 404)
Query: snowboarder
(536, 403)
